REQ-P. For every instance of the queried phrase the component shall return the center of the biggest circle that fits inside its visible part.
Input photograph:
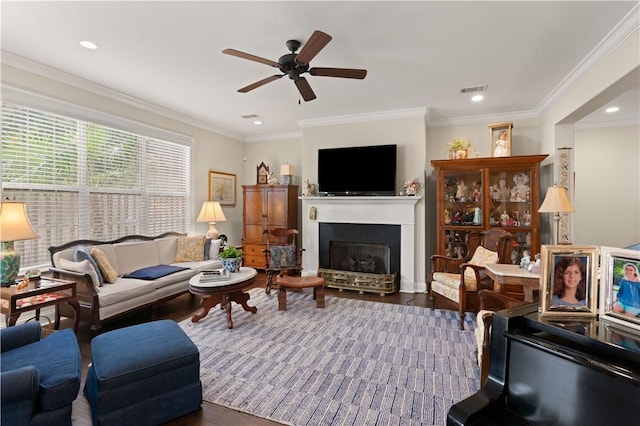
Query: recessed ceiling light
(477, 98)
(257, 122)
(88, 45)
(612, 109)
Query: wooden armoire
(265, 207)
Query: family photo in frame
(620, 289)
(569, 280)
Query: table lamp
(211, 212)
(556, 201)
(14, 226)
(286, 170)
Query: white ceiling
(418, 54)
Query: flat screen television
(357, 171)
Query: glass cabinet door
(511, 206)
(462, 209)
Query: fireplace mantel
(393, 210)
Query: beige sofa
(110, 300)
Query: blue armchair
(40, 378)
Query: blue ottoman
(145, 374)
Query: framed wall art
(620, 286)
(569, 280)
(500, 134)
(222, 188)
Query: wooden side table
(39, 294)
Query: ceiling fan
(294, 64)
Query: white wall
(607, 209)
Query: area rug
(352, 363)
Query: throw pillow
(214, 249)
(481, 257)
(190, 249)
(82, 253)
(282, 256)
(110, 275)
(83, 267)
(155, 272)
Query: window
(85, 180)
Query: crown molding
(361, 118)
(55, 74)
(273, 137)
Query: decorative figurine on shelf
(447, 217)
(503, 191)
(475, 192)
(526, 218)
(495, 192)
(521, 189)
(477, 217)
(272, 180)
(526, 259)
(412, 186)
(502, 145)
(461, 190)
(309, 189)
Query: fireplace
(357, 220)
(359, 241)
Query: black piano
(556, 372)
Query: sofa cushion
(108, 272)
(57, 359)
(212, 249)
(82, 253)
(124, 290)
(166, 249)
(136, 255)
(83, 267)
(154, 272)
(190, 249)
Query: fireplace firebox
(363, 257)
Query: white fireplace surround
(393, 210)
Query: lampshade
(286, 170)
(556, 201)
(211, 212)
(14, 226)
(14, 222)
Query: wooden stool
(285, 282)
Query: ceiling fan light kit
(294, 64)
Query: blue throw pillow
(281, 257)
(154, 272)
(82, 253)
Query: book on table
(211, 275)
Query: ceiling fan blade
(243, 55)
(305, 90)
(339, 72)
(260, 83)
(312, 47)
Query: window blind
(86, 180)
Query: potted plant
(231, 259)
(459, 148)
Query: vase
(460, 154)
(232, 264)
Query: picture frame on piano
(569, 281)
(620, 286)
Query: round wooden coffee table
(224, 292)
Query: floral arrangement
(460, 143)
(412, 186)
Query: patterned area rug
(351, 363)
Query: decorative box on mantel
(372, 210)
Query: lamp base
(9, 263)
(287, 179)
(212, 232)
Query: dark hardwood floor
(181, 308)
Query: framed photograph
(620, 286)
(500, 134)
(622, 336)
(222, 188)
(569, 280)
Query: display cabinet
(265, 207)
(480, 193)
